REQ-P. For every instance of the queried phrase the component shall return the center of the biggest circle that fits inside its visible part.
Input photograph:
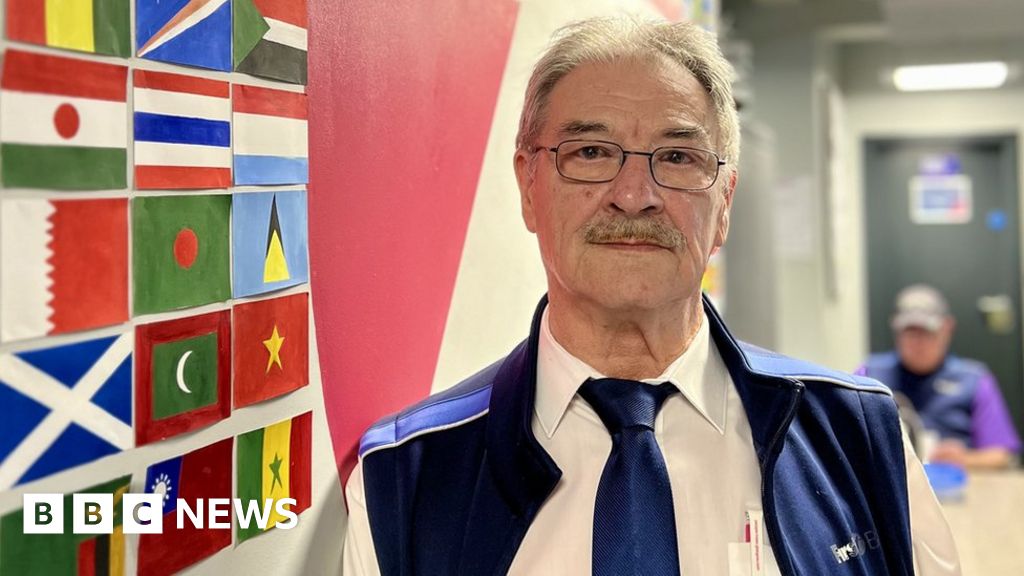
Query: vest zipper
(767, 469)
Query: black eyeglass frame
(719, 162)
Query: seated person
(956, 398)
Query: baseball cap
(919, 306)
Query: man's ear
(723, 218)
(524, 164)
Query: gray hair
(606, 39)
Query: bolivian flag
(99, 26)
(273, 462)
(63, 123)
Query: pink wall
(401, 99)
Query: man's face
(640, 105)
(921, 350)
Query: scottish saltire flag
(63, 266)
(99, 26)
(67, 554)
(270, 38)
(190, 32)
(182, 375)
(63, 123)
(182, 131)
(269, 241)
(196, 477)
(274, 463)
(271, 144)
(64, 406)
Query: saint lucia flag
(63, 123)
(64, 406)
(273, 462)
(269, 241)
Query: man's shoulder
(966, 367)
(466, 401)
(769, 363)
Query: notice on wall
(940, 199)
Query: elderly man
(631, 433)
(955, 398)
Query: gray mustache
(637, 230)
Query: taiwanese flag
(199, 475)
(63, 123)
(274, 463)
(183, 375)
(63, 266)
(180, 254)
(68, 553)
(271, 348)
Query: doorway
(944, 211)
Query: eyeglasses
(675, 167)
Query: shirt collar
(699, 373)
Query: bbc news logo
(143, 513)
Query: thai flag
(271, 141)
(182, 131)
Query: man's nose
(634, 190)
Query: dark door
(945, 212)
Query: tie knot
(625, 403)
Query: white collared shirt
(705, 439)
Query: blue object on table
(947, 480)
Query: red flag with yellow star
(271, 348)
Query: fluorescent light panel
(968, 76)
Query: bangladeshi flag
(195, 477)
(63, 123)
(68, 553)
(182, 375)
(274, 463)
(180, 252)
(271, 348)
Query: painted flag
(64, 406)
(68, 553)
(63, 266)
(63, 123)
(271, 143)
(271, 348)
(189, 32)
(180, 251)
(269, 241)
(182, 131)
(182, 375)
(273, 462)
(99, 26)
(270, 39)
(197, 476)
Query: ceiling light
(969, 76)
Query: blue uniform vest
(944, 400)
(453, 483)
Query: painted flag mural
(269, 241)
(64, 406)
(182, 375)
(271, 348)
(99, 26)
(201, 474)
(270, 39)
(274, 463)
(63, 266)
(66, 554)
(182, 131)
(271, 145)
(180, 251)
(189, 32)
(63, 123)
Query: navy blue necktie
(634, 522)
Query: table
(989, 524)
